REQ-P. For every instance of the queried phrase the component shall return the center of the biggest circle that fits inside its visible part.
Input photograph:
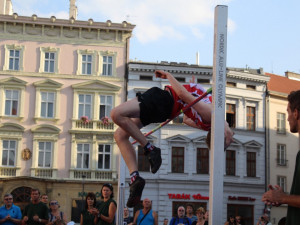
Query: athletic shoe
(154, 157)
(136, 190)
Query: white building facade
(184, 174)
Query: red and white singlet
(196, 90)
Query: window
(85, 106)
(104, 155)
(230, 84)
(246, 211)
(49, 62)
(203, 81)
(107, 65)
(251, 87)
(87, 64)
(250, 118)
(106, 103)
(230, 162)
(83, 155)
(14, 59)
(251, 164)
(177, 159)
(281, 181)
(9, 152)
(47, 104)
(180, 79)
(11, 102)
(45, 154)
(281, 123)
(202, 160)
(148, 78)
(230, 115)
(281, 155)
(143, 162)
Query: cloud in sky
(154, 19)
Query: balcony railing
(43, 172)
(8, 171)
(93, 125)
(92, 175)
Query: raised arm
(202, 108)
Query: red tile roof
(282, 84)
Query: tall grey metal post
(218, 116)
(121, 191)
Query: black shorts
(155, 105)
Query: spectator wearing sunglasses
(181, 218)
(55, 214)
(10, 214)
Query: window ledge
(20, 118)
(45, 119)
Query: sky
(261, 33)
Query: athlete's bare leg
(126, 148)
(122, 115)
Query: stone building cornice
(186, 69)
(62, 30)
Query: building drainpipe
(267, 148)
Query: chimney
(6, 7)
(73, 9)
(197, 58)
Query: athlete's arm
(203, 109)
(189, 122)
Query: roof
(282, 84)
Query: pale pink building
(53, 72)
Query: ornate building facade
(58, 80)
(184, 175)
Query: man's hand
(25, 219)
(274, 196)
(7, 217)
(35, 218)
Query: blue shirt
(148, 220)
(176, 220)
(14, 212)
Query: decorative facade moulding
(53, 27)
(124, 26)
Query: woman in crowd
(200, 217)
(55, 215)
(87, 216)
(106, 209)
(230, 221)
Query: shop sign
(240, 198)
(187, 196)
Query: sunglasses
(6, 199)
(53, 203)
(181, 210)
